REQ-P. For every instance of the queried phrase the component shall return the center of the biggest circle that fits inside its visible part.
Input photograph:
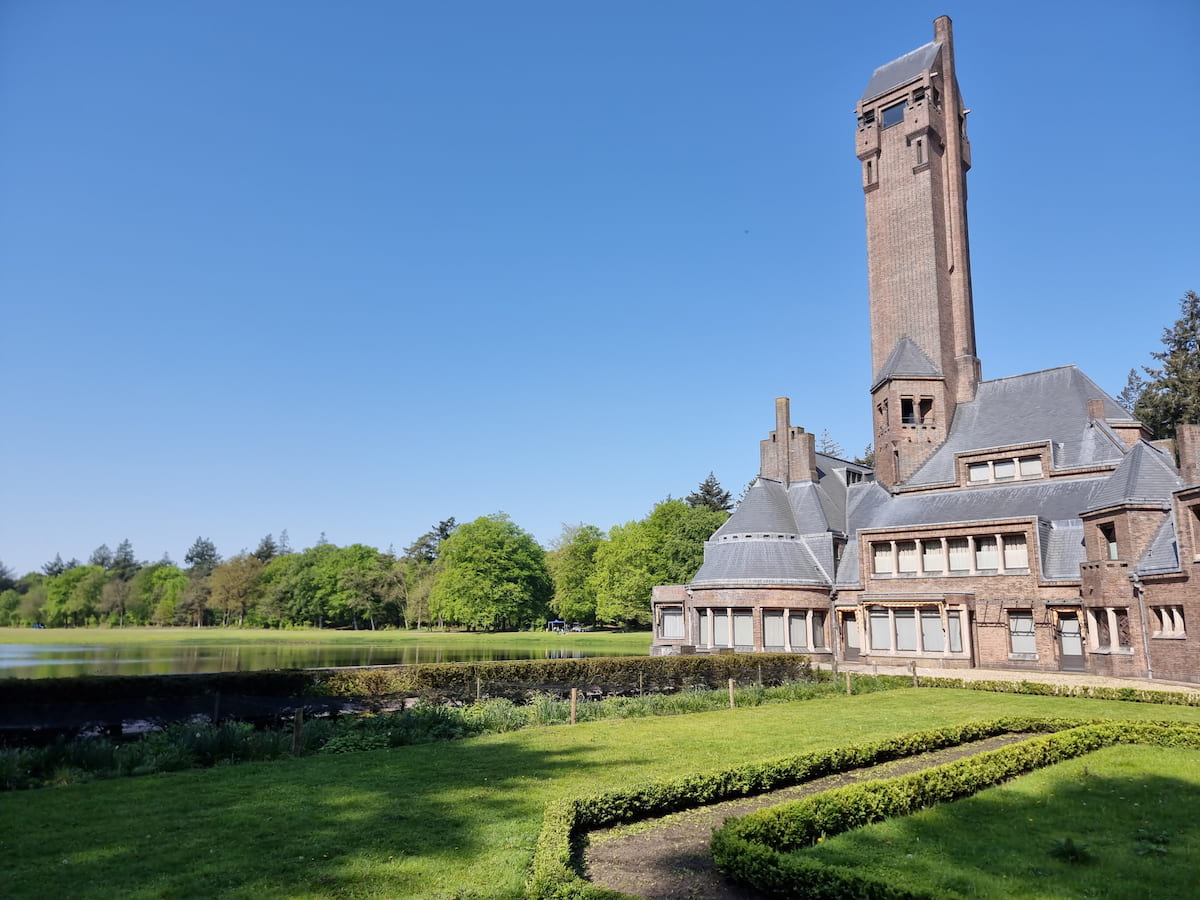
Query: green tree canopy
(667, 547)
(493, 576)
(572, 562)
(202, 557)
(1171, 396)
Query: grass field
(635, 642)
(454, 820)
(1120, 822)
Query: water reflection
(52, 661)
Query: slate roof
(759, 561)
(1162, 554)
(1047, 405)
(906, 358)
(1144, 475)
(901, 71)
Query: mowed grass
(441, 820)
(1120, 822)
(601, 641)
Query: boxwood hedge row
(759, 848)
(554, 871)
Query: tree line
(484, 575)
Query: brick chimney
(1187, 446)
(790, 453)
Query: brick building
(1025, 522)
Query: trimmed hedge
(462, 682)
(759, 848)
(553, 873)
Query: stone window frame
(916, 411)
(1170, 622)
(1028, 462)
(1109, 622)
(661, 628)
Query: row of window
(973, 555)
(1009, 469)
(917, 630)
(790, 629)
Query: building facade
(1026, 522)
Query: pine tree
(710, 495)
(1171, 397)
(1129, 395)
(827, 445)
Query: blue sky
(355, 268)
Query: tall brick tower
(912, 142)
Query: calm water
(48, 661)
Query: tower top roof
(901, 71)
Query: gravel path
(668, 858)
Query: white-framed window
(743, 628)
(1031, 466)
(960, 554)
(883, 558)
(773, 628)
(798, 630)
(1016, 552)
(1169, 621)
(818, 630)
(1021, 637)
(671, 627)
(721, 628)
(987, 556)
(931, 557)
(906, 557)
(932, 638)
(979, 473)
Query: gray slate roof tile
(902, 70)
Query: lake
(159, 658)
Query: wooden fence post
(848, 691)
(298, 731)
(574, 703)
(731, 693)
(914, 673)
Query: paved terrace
(1068, 678)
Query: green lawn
(439, 820)
(635, 642)
(1128, 812)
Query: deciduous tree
(572, 561)
(667, 547)
(493, 576)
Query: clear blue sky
(355, 268)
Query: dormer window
(1011, 468)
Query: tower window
(894, 114)
(908, 414)
(1108, 541)
(920, 152)
(870, 172)
(925, 410)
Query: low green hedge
(462, 682)
(553, 873)
(758, 848)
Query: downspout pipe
(1139, 592)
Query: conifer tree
(710, 495)
(1171, 396)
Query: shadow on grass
(439, 820)
(1075, 834)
